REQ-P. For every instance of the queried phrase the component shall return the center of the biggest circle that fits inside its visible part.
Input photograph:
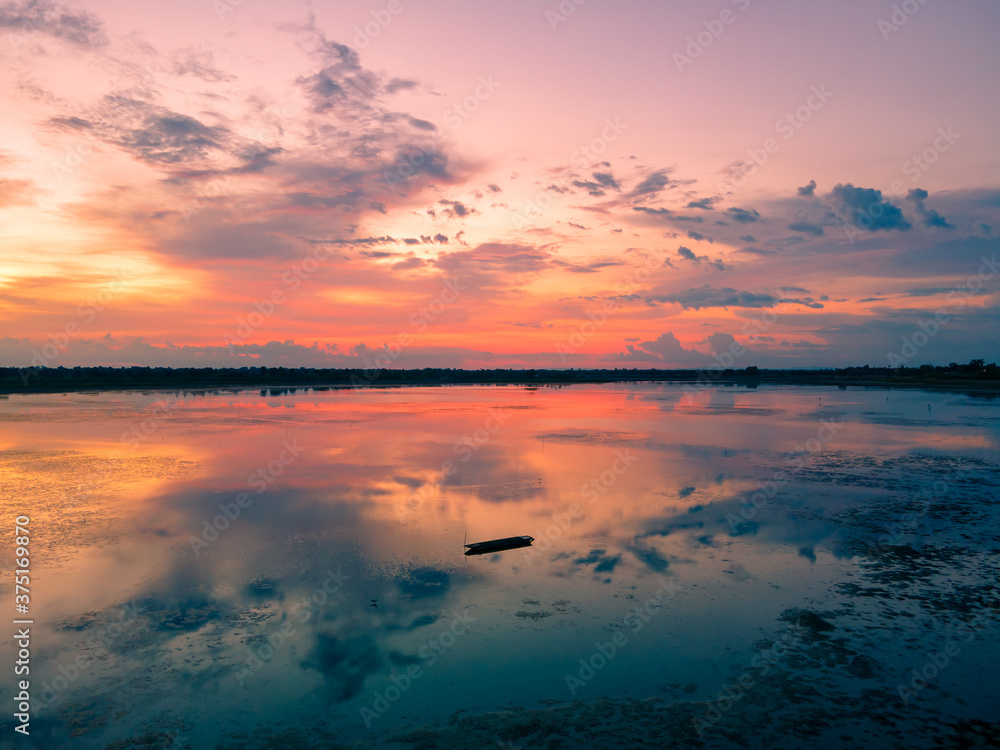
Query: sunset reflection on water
(271, 560)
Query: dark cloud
(365, 241)
(720, 342)
(456, 209)
(687, 254)
(598, 186)
(51, 18)
(153, 134)
(317, 200)
(705, 204)
(652, 185)
(707, 296)
(606, 179)
(71, 123)
(592, 267)
(341, 83)
(865, 208)
(602, 562)
(351, 159)
(199, 63)
(664, 348)
(650, 558)
(421, 124)
(699, 236)
(667, 215)
(806, 228)
(931, 217)
(399, 84)
(493, 265)
(256, 158)
(593, 188)
(808, 191)
(413, 161)
(345, 663)
(742, 215)
(409, 264)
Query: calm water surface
(772, 567)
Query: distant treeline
(28, 379)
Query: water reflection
(233, 567)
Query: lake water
(765, 567)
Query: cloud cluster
(866, 208)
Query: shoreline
(976, 387)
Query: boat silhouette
(498, 545)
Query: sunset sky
(528, 184)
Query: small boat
(498, 545)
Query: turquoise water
(729, 567)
